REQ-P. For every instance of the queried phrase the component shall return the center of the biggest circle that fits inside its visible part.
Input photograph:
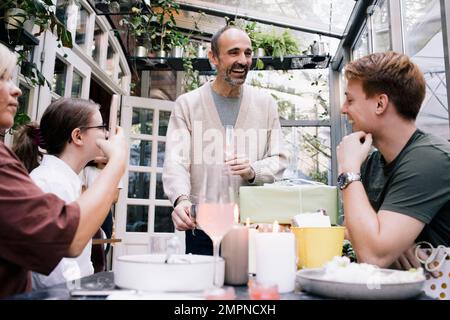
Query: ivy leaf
(259, 64)
(20, 119)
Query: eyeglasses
(103, 126)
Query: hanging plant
(42, 14)
(191, 80)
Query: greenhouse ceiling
(326, 17)
(308, 20)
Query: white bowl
(148, 272)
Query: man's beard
(236, 81)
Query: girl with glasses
(67, 132)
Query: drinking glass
(215, 212)
(193, 211)
(229, 141)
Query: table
(104, 281)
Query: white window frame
(71, 59)
(138, 242)
(77, 57)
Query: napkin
(316, 219)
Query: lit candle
(275, 258)
(235, 252)
(251, 248)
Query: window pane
(96, 46)
(138, 185)
(159, 187)
(381, 28)
(311, 153)
(161, 152)
(121, 74)
(110, 61)
(142, 121)
(300, 94)
(163, 219)
(80, 34)
(163, 122)
(140, 153)
(137, 218)
(77, 84)
(361, 48)
(59, 78)
(24, 99)
(26, 68)
(424, 44)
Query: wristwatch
(346, 178)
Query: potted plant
(162, 24)
(41, 13)
(14, 18)
(177, 42)
(278, 45)
(137, 26)
(251, 28)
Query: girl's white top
(55, 176)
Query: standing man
(196, 133)
(401, 194)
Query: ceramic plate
(311, 280)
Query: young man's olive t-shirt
(415, 183)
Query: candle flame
(247, 223)
(236, 214)
(276, 226)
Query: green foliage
(251, 28)
(286, 108)
(157, 27)
(314, 145)
(319, 176)
(259, 64)
(20, 119)
(29, 69)
(191, 80)
(42, 13)
(276, 45)
(136, 23)
(163, 21)
(177, 39)
(317, 80)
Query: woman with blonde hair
(38, 229)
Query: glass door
(143, 212)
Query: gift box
(264, 204)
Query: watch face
(342, 180)
(346, 178)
